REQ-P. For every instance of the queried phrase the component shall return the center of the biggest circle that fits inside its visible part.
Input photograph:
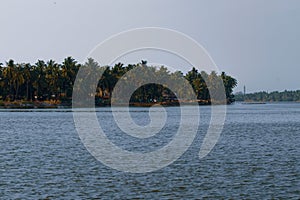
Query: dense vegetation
(272, 96)
(44, 81)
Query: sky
(255, 41)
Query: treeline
(272, 96)
(49, 80)
(39, 81)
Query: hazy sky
(255, 41)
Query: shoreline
(42, 105)
(59, 105)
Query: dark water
(256, 157)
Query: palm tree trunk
(27, 91)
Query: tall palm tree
(114, 75)
(27, 78)
(229, 84)
(105, 82)
(8, 74)
(39, 78)
(69, 70)
(18, 80)
(52, 77)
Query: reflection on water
(257, 156)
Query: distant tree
(272, 96)
(9, 74)
(27, 79)
(39, 80)
(69, 71)
(229, 84)
(51, 80)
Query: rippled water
(257, 156)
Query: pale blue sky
(256, 41)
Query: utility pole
(244, 92)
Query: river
(256, 157)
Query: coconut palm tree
(27, 78)
(9, 75)
(18, 80)
(69, 70)
(229, 84)
(39, 82)
(52, 77)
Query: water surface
(257, 156)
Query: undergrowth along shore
(57, 104)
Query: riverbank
(57, 104)
(31, 104)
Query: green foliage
(41, 81)
(272, 96)
(49, 80)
